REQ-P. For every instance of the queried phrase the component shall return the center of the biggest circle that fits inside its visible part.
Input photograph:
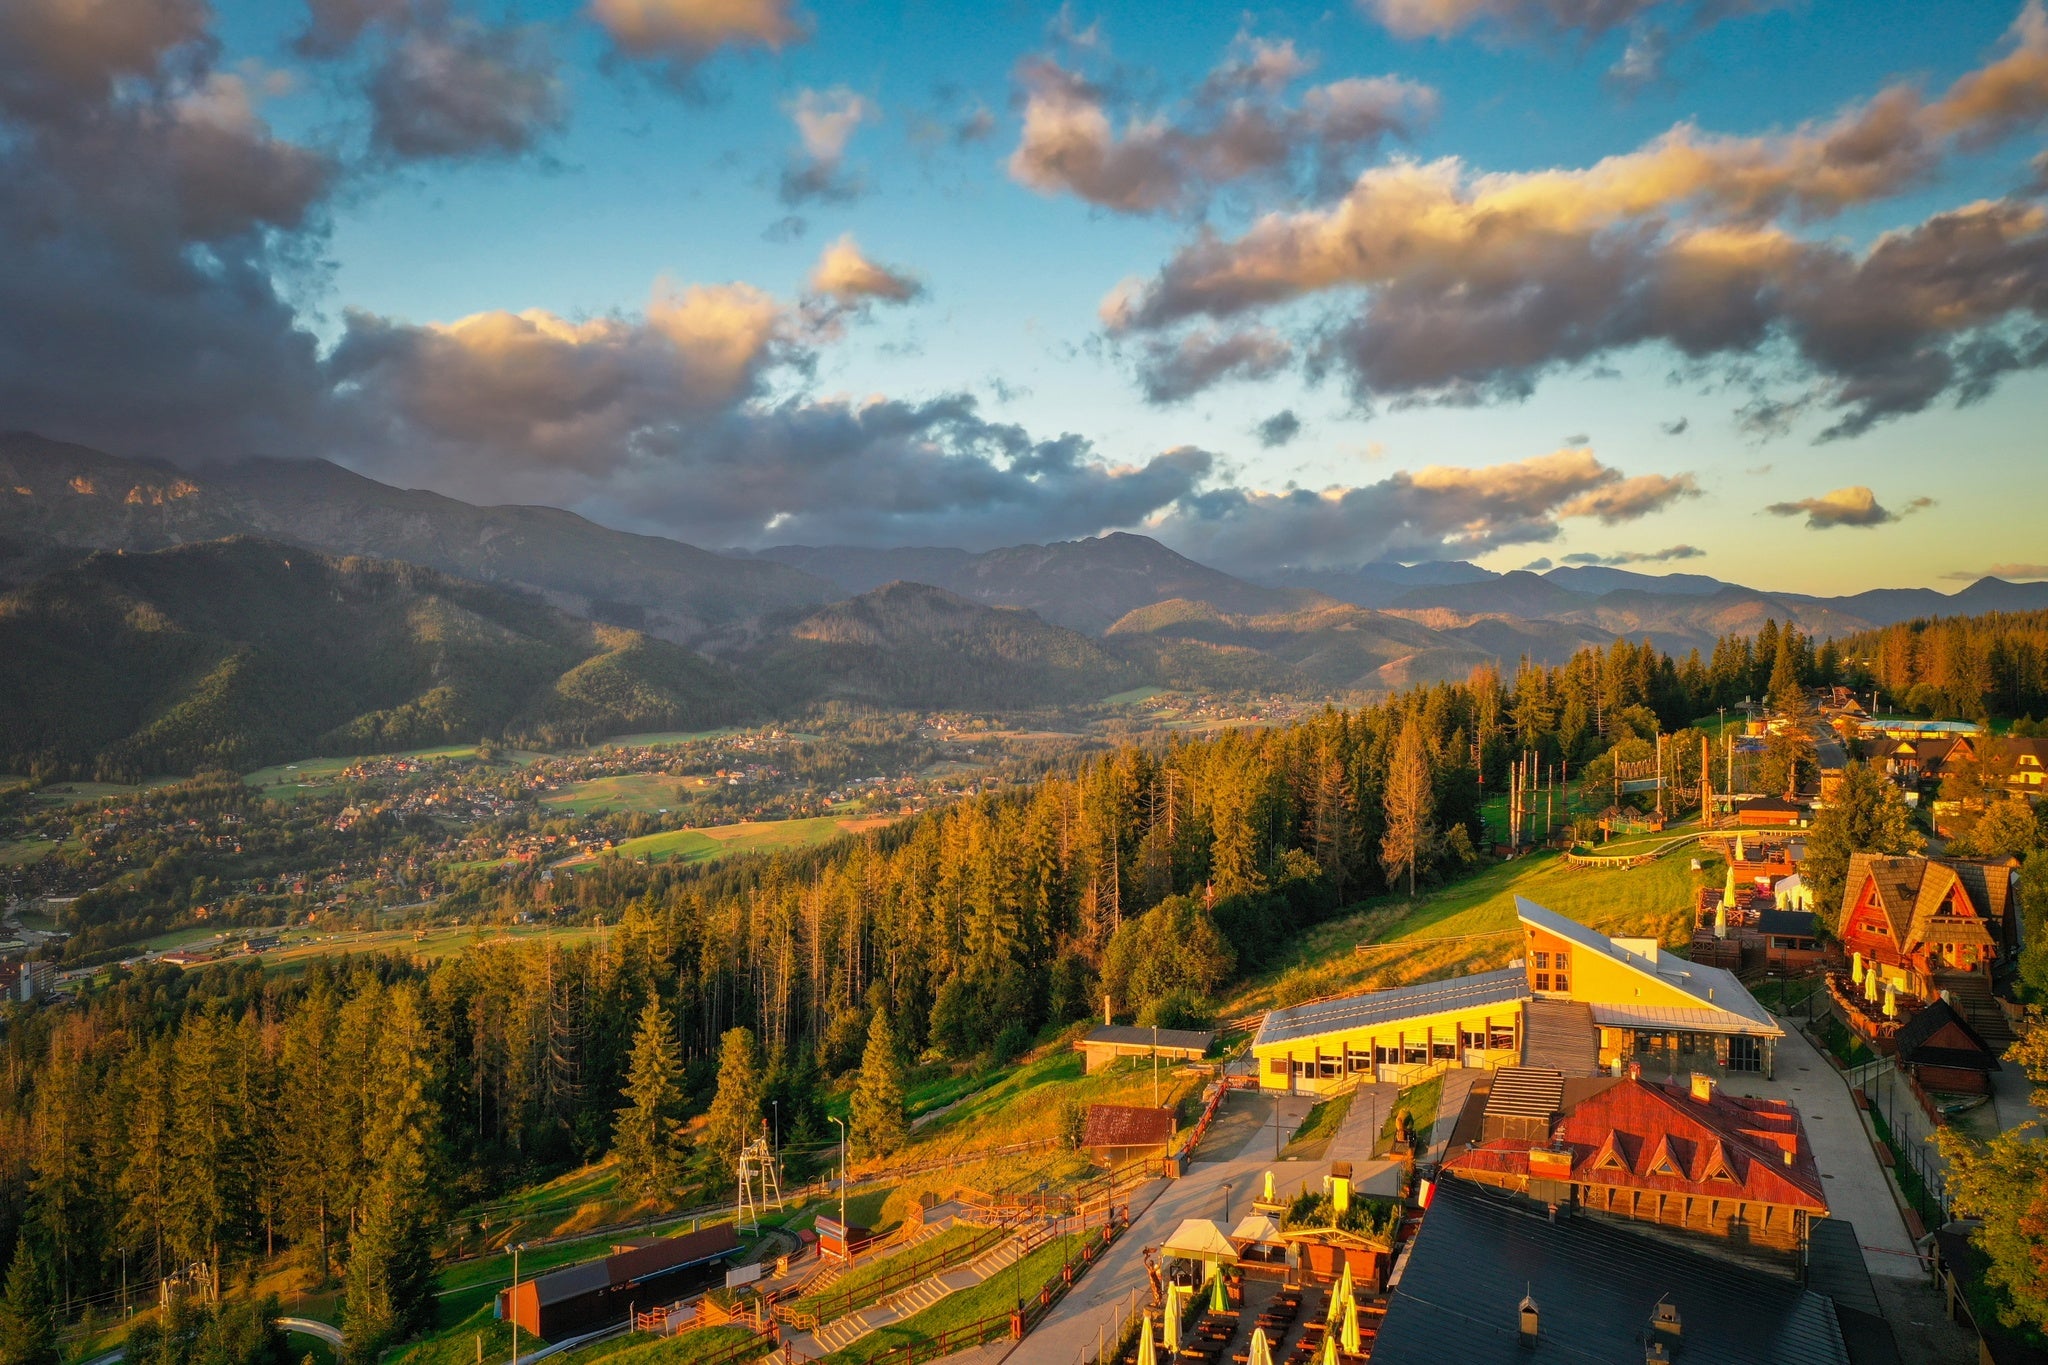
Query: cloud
(1629, 499)
(1524, 18)
(1081, 137)
(61, 56)
(2018, 571)
(1675, 428)
(681, 34)
(1855, 505)
(825, 122)
(334, 26)
(847, 276)
(1464, 287)
(1277, 430)
(1172, 371)
(459, 89)
(1664, 556)
(1538, 565)
(1434, 512)
(1641, 64)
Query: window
(1501, 1039)
(1564, 982)
(1443, 1048)
(1542, 961)
(1472, 1038)
(1543, 981)
(1563, 962)
(1276, 1066)
(1417, 1054)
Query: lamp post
(512, 1301)
(846, 1243)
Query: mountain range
(139, 593)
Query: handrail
(890, 1281)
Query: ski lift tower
(760, 1185)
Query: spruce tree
(28, 1318)
(735, 1116)
(878, 1127)
(390, 1281)
(645, 1139)
(1866, 815)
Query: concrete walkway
(1857, 1188)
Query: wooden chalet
(598, 1293)
(1915, 761)
(1769, 812)
(1691, 1159)
(1943, 1052)
(1920, 922)
(1108, 1044)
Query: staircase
(844, 1331)
(1970, 993)
(1559, 1035)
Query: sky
(1736, 287)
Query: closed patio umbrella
(1261, 1353)
(1340, 1296)
(1172, 1323)
(1330, 1351)
(1219, 1297)
(1348, 1336)
(1147, 1355)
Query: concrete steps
(843, 1332)
(1970, 993)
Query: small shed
(582, 1297)
(1106, 1044)
(1117, 1133)
(1942, 1052)
(1769, 812)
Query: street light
(512, 1301)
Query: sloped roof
(1915, 1045)
(1123, 1125)
(1620, 1135)
(638, 1263)
(1718, 1001)
(1595, 1285)
(1404, 1002)
(1912, 890)
(1200, 1239)
(1126, 1035)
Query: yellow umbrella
(1261, 1352)
(1330, 1351)
(1891, 1002)
(1269, 1187)
(1349, 1335)
(1870, 985)
(1219, 1298)
(1172, 1323)
(1341, 1295)
(1856, 968)
(1147, 1355)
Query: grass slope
(985, 1300)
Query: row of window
(1562, 961)
(1544, 982)
(1407, 1052)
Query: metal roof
(1595, 1286)
(1680, 1019)
(1724, 1003)
(1353, 1012)
(1127, 1035)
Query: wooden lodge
(1941, 1051)
(1919, 922)
(1690, 1159)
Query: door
(1745, 1054)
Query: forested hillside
(241, 652)
(1962, 666)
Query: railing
(1000, 1325)
(889, 1282)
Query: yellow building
(1574, 1001)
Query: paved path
(1857, 1188)
(1458, 1085)
(2012, 1096)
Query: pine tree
(878, 1127)
(1410, 836)
(390, 1281)
(645, 1140)
(28, 1318)
(735, 1116)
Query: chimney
(1529, 1321)
(1106, 1020)
(1665, 1334)
(1702, 1087)
(1788, 1156)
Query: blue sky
(606, 172)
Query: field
(649, 792)
(22, 852)
(1653, 901)
(749, 836)
(655, 739)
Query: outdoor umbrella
(1856, 968)
(1219, 1297)
(1330, 1351)
(1870, 985)
(1269, 1187)
(1349, 1335)
(1172, 1320)
(1261, 1354)
(1341, 1295)
(1146, 1354)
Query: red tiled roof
(1122, 1125)
(1728, 1146)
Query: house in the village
(1922, 921)
(1941, 1050)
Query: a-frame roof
(1910, 891)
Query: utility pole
(513, 1304)
(846, 1242)
(1155, 1066)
